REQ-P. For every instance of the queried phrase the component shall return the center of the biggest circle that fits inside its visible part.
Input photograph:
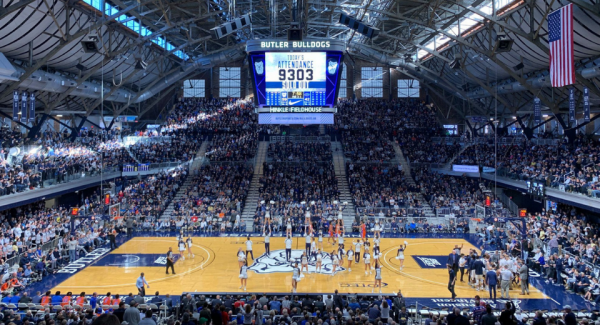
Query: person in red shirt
(224, 315)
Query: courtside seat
(11, 306)
(87, 307)
(444, 312)
(57, 308)
(143, 306)
(23, 306)
(153, 307)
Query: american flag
(562, 63)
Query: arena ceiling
(418, 37)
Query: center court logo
(276, 262)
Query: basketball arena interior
(299, 162)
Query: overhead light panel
(232, 26)
(503, 43)
(140, 64)
(519, 66)
(90, 45)
(358, 25)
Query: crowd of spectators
(375, 185)
(215, 197)
(171, 149)
(418, 147)
(10, 138)
(299, 151)
(233, 146)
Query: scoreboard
(295, 82)
(295, 79)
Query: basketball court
(215, 269)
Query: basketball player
(350, 254)
(377, 276)
(170, 261)
(363, 230)
(268, 242)
(189, 247)
(249, 248)
(336, 262)
(367, 258)
(400, 254)
(288, 248)
(181, 248)
(295, 277)
(331, 238)
(357, 247)
(319, 263)
(241, 257)
(244, 275)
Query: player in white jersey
(319, 262)
(295, 277)
(189, 246)
(304, 263)
(249, 248)
(336, 262)
(350, 254)
(268, 242)
(377, 276)
(244, 276)
(400, 254)
(367, 258)
(181, 249)
(241, 256)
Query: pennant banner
(24, 107)
(31, 107)
(16, 105)
(586, 104)
(572, 105)
(537, 111)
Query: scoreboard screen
(296, 79)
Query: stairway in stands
(339, 165)
(198, 160)
(132, 155)
(200, 157)
(410, 180)
(252, 198)
(449, 163)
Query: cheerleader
(249, 248)
(307, 242)
(336, 262)
(243, 275)
(313, 248)
(350, 254)
(304, 260)
(268, 242)
(341, 254)
(341, 240)
(182, 249)
(241, 257)
(295, 277)
(367, 258)
(400, 254)
(376, 253)
(357, 247)
(377, 229)
(189, 246)
(376, 241)
(320, 240)
(307, 225)
(267, 224)
(319, 263)
(340, 218)
(377, 276)
(288, 227)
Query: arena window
(229, 82)
(408, 88)
(194, 88)
(343, 93)
(372, 82)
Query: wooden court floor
(215, 269)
